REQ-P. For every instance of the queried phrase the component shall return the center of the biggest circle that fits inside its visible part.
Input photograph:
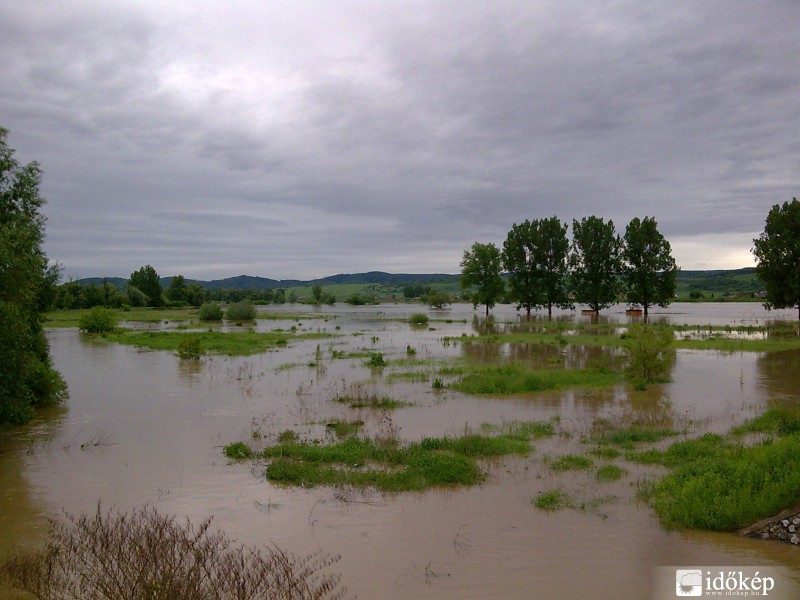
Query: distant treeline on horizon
(717, 280)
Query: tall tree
(648, 266)
(595, 262)
(176, 290)
(535, 254)
(27, 379)
(146, 280)
(482, 267)
(777, 252)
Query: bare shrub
(146, 555)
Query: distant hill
(736, 281)
(249, 282)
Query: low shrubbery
(98, 320)
(210, 311)
(418, 319)
(241, 311)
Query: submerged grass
(570, 462)
(553, 500)
(514, 379)
(386, 464)
(232, 344)
(776, 338)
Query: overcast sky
(301, 139)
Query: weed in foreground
(143, 554)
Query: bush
(241, 311)
(98, 320)
(148, 555)
(210, 311)
(418, 319)
(190, 348)
(649, 350)
(376, 360)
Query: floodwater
(144, 427)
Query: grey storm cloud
(297, 140)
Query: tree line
(598, 268)
(144, 288)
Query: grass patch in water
(610, 473)
(232, 344)
(419, 376)
(388, 465)
(605, 452)
(343, 429)
(370, 400)
(780, 420)
(553, 500)
(629, 436)
(515, 379)
(681, 453)
(570, 462)
(730, 486)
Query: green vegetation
(570, 462)
(553, 500)
(237, 450)
(629, 436)
(610, 473)
(418, 319)
(777, 251)
(649, 350)
(535, 254)
(241, 311)
(481, 268)
(210, 311)
(98, 320)
(731, 487)
(27, 288)
(437, 299)
(358, 397)
(388, 465)
(190, 347)
(515, 379)
(343, 429)
(232, 344)
(376, 360)
(778, 420)
(146, 282)
(648, 266)
(594, 262)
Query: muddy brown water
(145, 427)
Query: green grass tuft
(515, 379)
(553, 500)
(571, 462)
(610, 473)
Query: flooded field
(145, 427)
